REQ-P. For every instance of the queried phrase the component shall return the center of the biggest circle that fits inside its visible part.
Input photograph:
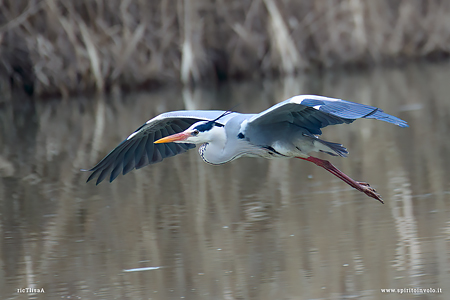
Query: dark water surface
(250, 229)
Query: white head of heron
(198, 133)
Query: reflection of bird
(286, 130)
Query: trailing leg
(360, 186)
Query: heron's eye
(195, 132)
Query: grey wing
(315, 112)
(139, 150)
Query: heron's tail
(334, 149)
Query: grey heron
(289, 129)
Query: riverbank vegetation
(64, 47)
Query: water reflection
(250, 229)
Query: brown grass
(57, 46)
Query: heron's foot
(369, 191)
(360, 186)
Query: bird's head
(198, 133)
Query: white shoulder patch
(131, 135)
(298, 99)
(154, 119)
(159, 117)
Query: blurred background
(77, 77)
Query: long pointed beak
(174, 137)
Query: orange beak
(174, 137)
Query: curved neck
(214, 150)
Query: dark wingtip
(395, 121)
(92, 176)
(398, 121)
(380, 115)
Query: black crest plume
(207, 126)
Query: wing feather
(115, 172)
(139, 150)
(103, 175)
(128, 158)
(315, 112)
(149, 147)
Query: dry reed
(58, 46)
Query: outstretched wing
(315, 112)
(139, 150)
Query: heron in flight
(289, 129)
